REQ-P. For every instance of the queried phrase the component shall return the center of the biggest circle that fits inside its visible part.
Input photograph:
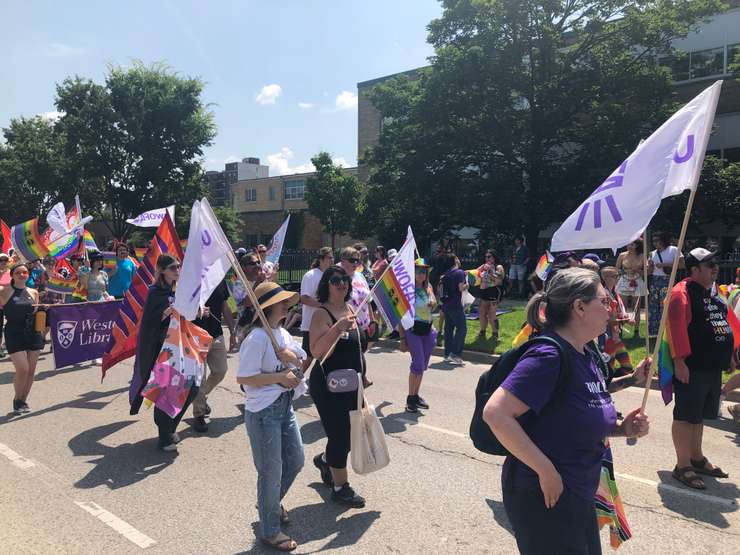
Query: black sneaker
(24, 408)
(175, 438)
(208, 410)
(411, 405)
(420, 402)
(323, 467)
(200, 425)
(167, 445)
(393, 335)
(347, 496)
(17, 406)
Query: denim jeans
(456, 326)
(277, 451)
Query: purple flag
(81, 332)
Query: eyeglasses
(173, 267)
(336, 281)
(605, 301)
(352, 260)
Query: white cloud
(340, 161)
(306, 105)
(280, 163)
(61, 50)
(51, 116)
(268, 94)
(217, 164)
(346, 100)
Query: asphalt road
(79, 475)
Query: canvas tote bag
(368, 448)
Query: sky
(281, 75)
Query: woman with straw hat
(271, 380)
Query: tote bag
(368, 448)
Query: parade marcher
(631, 285)
(614, 346)
(365, 266)
(121, 277)
(518, 268)
(381, 262)
(154, 323)
(309, 286)
(421, 339)
(215, 311)
(334, 324)
(453, 283)
(270, 386)
(22, 340)
(702, 347)
(4, 283)
(96, 280)
(255, 275)
(491, 292)
(550, 479)
(659, 268)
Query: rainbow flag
(665, 366)
(64, 246)
(60, 284)
(126, 327)
(27, 240)
(89, 241)
(609, 507)
(544, 264)
(474, 277)
(395, 293)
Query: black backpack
(481, 434)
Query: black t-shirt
(212, 323)
(709, 332)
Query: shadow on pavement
(722, 423)
(119, 466)
(216, 426)
(318, 521)
(499, 514)
(6, 378)
(88, 401)
(696, 509)
(312, 431)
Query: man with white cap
(702, 342)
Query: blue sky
(281, 74)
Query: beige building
(263, 204)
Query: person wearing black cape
(155, 321)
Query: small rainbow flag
(90, 241)
(60, 284)
(395, 293)
(665, 366)
(609, 508)
(65, 245)
(544, 264)
(27, 240)
(474, 277)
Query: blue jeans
(456, 326)
(277, 451)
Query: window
(732, 154)
(294, 189)
(733, 57)
(272, 193)
(678, 64)
(250, 195)
(705, 63)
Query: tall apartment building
(219, 183)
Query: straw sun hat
(269, 293)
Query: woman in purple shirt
(550, 479)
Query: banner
(395, 292)
(206, 261)
(665, 164)
(126, 327)
(6, 237)
(152, 218)
(276, 246)
(81, 332)
(27, 241)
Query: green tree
(525, 109)
(133, 143)
(31, 169)
(332, 196)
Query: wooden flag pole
(645, 286)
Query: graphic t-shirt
(422, 310)
(571, 433)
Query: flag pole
(645, 285)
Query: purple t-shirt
(571, 433)
(451, 288)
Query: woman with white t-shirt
(309, 304)
(271, 381)
(659, 267)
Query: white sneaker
(448, 359)
(719, 409)
(458, 361)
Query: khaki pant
(217, 366)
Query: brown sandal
(700, 467)
(285, 545)
(688, 477)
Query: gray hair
(563, 289)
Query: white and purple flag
(665, 164)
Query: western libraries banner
(81, 332)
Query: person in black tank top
(335, 331)
(21, 338)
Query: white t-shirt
(256, 356)
(668, 254)
(309, 287)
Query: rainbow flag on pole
(27, 240)
(62, 285)
(609, 507)
(544, 264)
(395, 292)
(90, 241)
(665, 366)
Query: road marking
(732, 503)
(120, 526)
(428, 427)
(15, 458)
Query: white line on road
(428, 427)
(15, 458)
(120, 526)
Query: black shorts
(494, 293)
(18, 339)
(306, 345)
(699, 399)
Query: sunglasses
(421, 270)
(352, 260)
(336, 281)
(262, 252)
(173, 267)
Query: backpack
(483, 438)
